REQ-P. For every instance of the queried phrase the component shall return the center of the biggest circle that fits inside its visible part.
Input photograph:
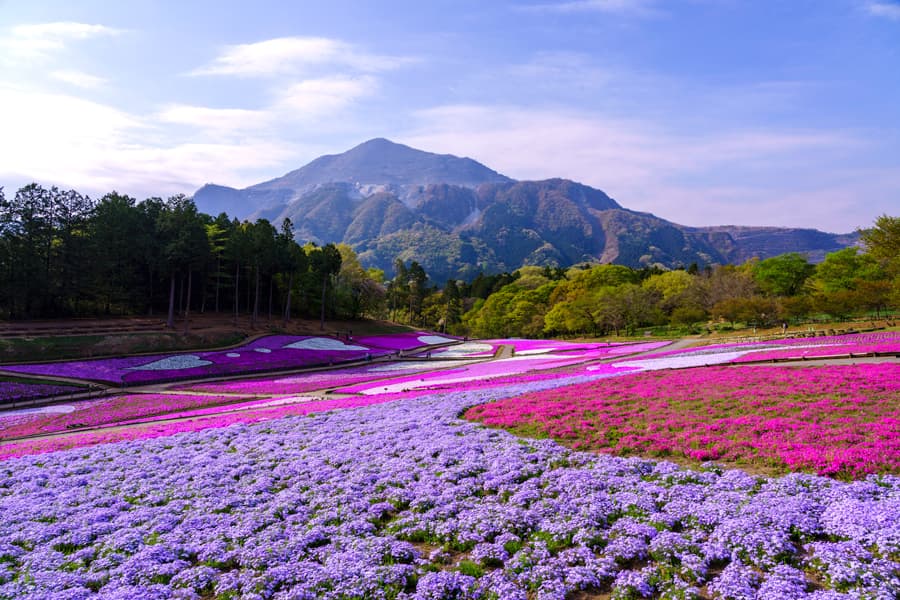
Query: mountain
(456, 217)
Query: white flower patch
(174, 363)
(466, 349)
(263, 350)
(321, 343)
(430, 340)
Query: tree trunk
(187, 308)
(287, 304)
(322, 311)
(271, 282)
(237, 281)
(170, 323)
(218, 278)
(181, 296)
(256, 299)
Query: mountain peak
(380, 161)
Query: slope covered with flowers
(405, 500)
(834, 420)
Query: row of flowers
(264, 354)
(403, 500)
(17, 391)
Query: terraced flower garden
(395, 496)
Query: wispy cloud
(95, 148)
(316, 97)
(78, 78)
(43, 38)
(889, 10)
(296, 55)
(621, 7)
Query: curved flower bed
(110, 410)
(317, 380)
(265, 354)
(17, 391)
(882, 341)
(837, 420)
(404, 341)
(405, 501)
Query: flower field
(264, 354)
(388, 493)
(316, 380)
(797, 348)
(12, 390)
(403, 500)
(836, 420)
(106, 411)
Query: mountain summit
(456, 217)
(383, 162)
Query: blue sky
(704, 112)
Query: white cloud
(214, 119)
(327, 95)
(78, 78)
(40, 39)
(295, 55)
(68, 141)
(889, 10)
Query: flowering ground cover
(404, 341)
(834, 420)
(109, 410)
(13, 390)
(264, 354)
(316, 380)
(550, 357)
(859, 343)
(404, 500)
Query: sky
(703, 112)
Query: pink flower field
(842, 421)
(106, 411)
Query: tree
(185, 247)
(883, 240)
(325, 263)
(358, 293)
(844, 269)
(783, 275)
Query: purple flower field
(404, 341)
(404, 500)
(265, 354)
(15, 391)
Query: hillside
(457, 217)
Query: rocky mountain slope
(456, 217)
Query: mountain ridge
(457, 217)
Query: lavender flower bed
(406, 501)
(265, 354)
(404, 341)
(15, 391)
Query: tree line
(63, 254)
(613, 299)
(601, 300)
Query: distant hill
(456, 217)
